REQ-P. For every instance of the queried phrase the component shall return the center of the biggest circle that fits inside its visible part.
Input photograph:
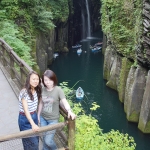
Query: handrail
(10, 50)
(14, 65)
(24, 134)
(11, 62)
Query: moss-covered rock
(129, 83)
(144, 128)
(37, 69)
(144, 119)
(134, 116)
(114, 73)
(137, 92)
(108, 60)
(65, 49)
(126, 64)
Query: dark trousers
(31, 143)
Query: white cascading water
(88, 20)
(83, 25)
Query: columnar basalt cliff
(130, 75)
(47, 44)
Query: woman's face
(34, 80)
(48, 82)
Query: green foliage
(2, 15)
(89, 135)
(43, 21)
(67, 91)
(59, 9)
(135, 64)
(9, 32)
(33, 13)
(114, 140)
(121, 22)
(30, 17)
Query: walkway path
(8, 114)
(8, 108)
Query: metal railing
(18, 70)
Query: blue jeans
(48, 138)
(31, 143)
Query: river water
(88, 67)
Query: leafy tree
(9, 32)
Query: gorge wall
(129, 74)
(46, 44)
(66, 33)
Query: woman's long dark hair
(28, 86)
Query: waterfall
(88, 20)
(83, 25)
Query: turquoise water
(88, 67)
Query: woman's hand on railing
(35, 128)
(71, 115)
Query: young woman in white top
(28, 102)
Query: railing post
(3, 56)
(71, 134)
(22, 75)
(12, 74)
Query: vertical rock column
(114, 73)
(124, 71)
(41, 46)
(108, 61)
(144, 119)
(136, 97)
(128, 89)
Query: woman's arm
(40, 109)
(35, 128)
(67, 107)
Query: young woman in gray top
(48, 110)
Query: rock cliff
(130, 76)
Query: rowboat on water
(55, 55)
(96, 49)
(76, 46)
(79, 51)
(99, 44)
(79, 93)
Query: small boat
(55, 55)
(99, 44)
(96, 49)
(77, 46)
(79, 93)
(79, 51)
